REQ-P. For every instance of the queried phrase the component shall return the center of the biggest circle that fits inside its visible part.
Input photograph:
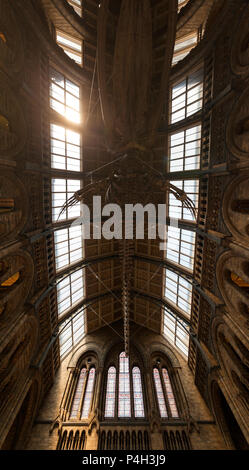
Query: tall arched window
(160, 394)
(88, 394)
(137, 393)
(165, 396)
(110, 393)
(83, 396)
(124, 396)
(78, 394)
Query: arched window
(83, 396)
(78, 393)
(165, 396)
(137, 393)
(88, 394)
(170, 394)
(110, 393)
(160, 394)
(124, 398)
(124, 390)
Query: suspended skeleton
(131, 105)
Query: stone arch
(11, 43)
(237, 132)
(231, 353)
(240, 49)
(12, 297)
(235, 207)
(16, 352)
(167, 351)
(20, 428)
(233, 375)
(13, 205)
(87, 359)
(13, 133)
(160, 359)
(136, 359)
(226, 420)
(235, 296)
(83, 349)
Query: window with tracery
(165, 395)
(110, 393)
(138, 393)
(83, 395)
(124, 396)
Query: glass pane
(176, 209)
(160, 395)
(64, 144)
(64, 96)
(88, 394)
(137, 393)
(62, 190)
(176, 331)
(78, 394)
(179, 291)
(187, 96)
(124, 400)
(110, 393)
(72, 332)
(170, 395)
(185, 149)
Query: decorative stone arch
(235, 207)
(165, 349)
(136, 359)
(232, 378)
(162, 356)
(224, 416)
(87, 356)
(11, 42)
(19, 429)
(83, 349)
(237, 131)
(13, 297)
(235, 296)
(13, 205)
(13, 128)
(229, 350)
(240, 49)
(16, 352)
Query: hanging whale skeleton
(131, 105)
